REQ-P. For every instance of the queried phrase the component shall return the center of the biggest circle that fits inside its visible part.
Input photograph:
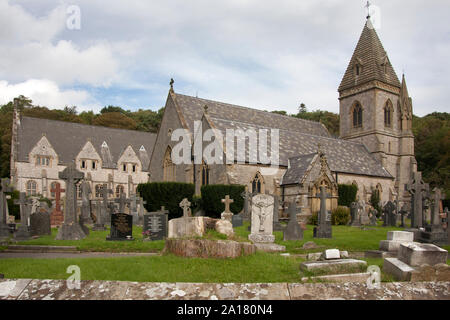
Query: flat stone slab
(27, 289)
(269, 247)
(398, 269)
(400, 236)
(417, 254)
(32, 248)
(331, 264)
(342, 278)
(391, 245)
(379, 254)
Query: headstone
(389, 213)
(262, 219)
(373, 216)
(121, 227)
(276, 214)
(157, 224)
(403, 213)
(134, 199)
(417, 188)
(22, 232)
(237, 220)
(40, 223)
(363, 216)
(186, 226)
(103, 215)
(354, 212)
(71, 229)
(85, 217)
(331, 254)
(122, 201)
(293, 230)
(323, 230)
(227, 214)
(141, 209)
(4, 229)
(246, 210)
(435, 233)
(57, 216)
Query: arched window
(258, 184)
(205, 174)
(98, 190)
(79, 193)
(388, 112)
(52, 187)
(168, 166)
(357, 115)
(119, 190)
(31, 188)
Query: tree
(115, 120)
(302, 108)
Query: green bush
(168, 194)
(375, 201)
(314, 219)
(347, 194)
(212, 196)
(14, 209)
(340, 216)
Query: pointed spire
(405, 100)
(369, 62)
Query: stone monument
(435, 233)
(293, 230)
(417, 188)
(157, 224)
(57, 216)
(22, 232)
(227, 214)
(4, 229)
(323, 230)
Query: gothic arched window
(257, 183)
(357, 115)
(31, 188)
(388, 112)
(205, 174)
(168, 166)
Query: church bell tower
(376, 110)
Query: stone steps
(39, 249)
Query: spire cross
(368, 9)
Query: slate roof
(369, 52)
(69, 138)
(297, 168)
(343, 156)
(192, 109)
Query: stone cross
(5, 187)
(105, 192)
(416, 188)
(438, 197)
(57, 190)
(186, 205)
(122, 201)
(23, 233)
(246, 196)
(389, 210)
(71, 175)
(86, 203)
(403, 211)
(163, 210)
(227, 202)
(323, 229)
(134, 198)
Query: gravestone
(186, 226)
(121, 227)
(157, 224)
(435, 233)
(403, 213)
(323, 230)
(373, 216)
(227, 214)
(447, 218)
(276, 214)
(85, 217)
(293, 230)
(246, 210)
(22, 232)
(122, 201)
(4, 229)
(134, 199)
(57, 215)
(103, 216)
(417, 188)
(142, 210)
(70, 229)
(40, 223)
(390, 218)
(363, 217)
(98, 225)
(237, 220)
(354, 212)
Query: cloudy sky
(265, 54)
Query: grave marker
(157, 224)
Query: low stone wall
(202, 248)
(28, 289)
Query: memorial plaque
(121, 227)
(157, 224)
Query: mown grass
(96, 242)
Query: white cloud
(47, 93)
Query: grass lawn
(96, 242)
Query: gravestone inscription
(157, 224)
(121, 227)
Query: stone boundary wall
(27, 289)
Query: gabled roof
(343, 156)
(371, 56)
(297, 168)
(192, 109)
(69, 138)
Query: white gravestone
(262, 219)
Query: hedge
(347, 194)
(168, 194)
(340, 216)
(212, 196)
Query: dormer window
(83, 164)
(94, 165)
(124, 167)
(357, 70)
(134, 168)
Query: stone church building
(375, 149)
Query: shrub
(212, 196)
(14, 209)
(347, 194)
(340, 216)
(314, 219)
(375, 201)
(168, 194)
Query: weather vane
(171, 83)
(368, 9)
